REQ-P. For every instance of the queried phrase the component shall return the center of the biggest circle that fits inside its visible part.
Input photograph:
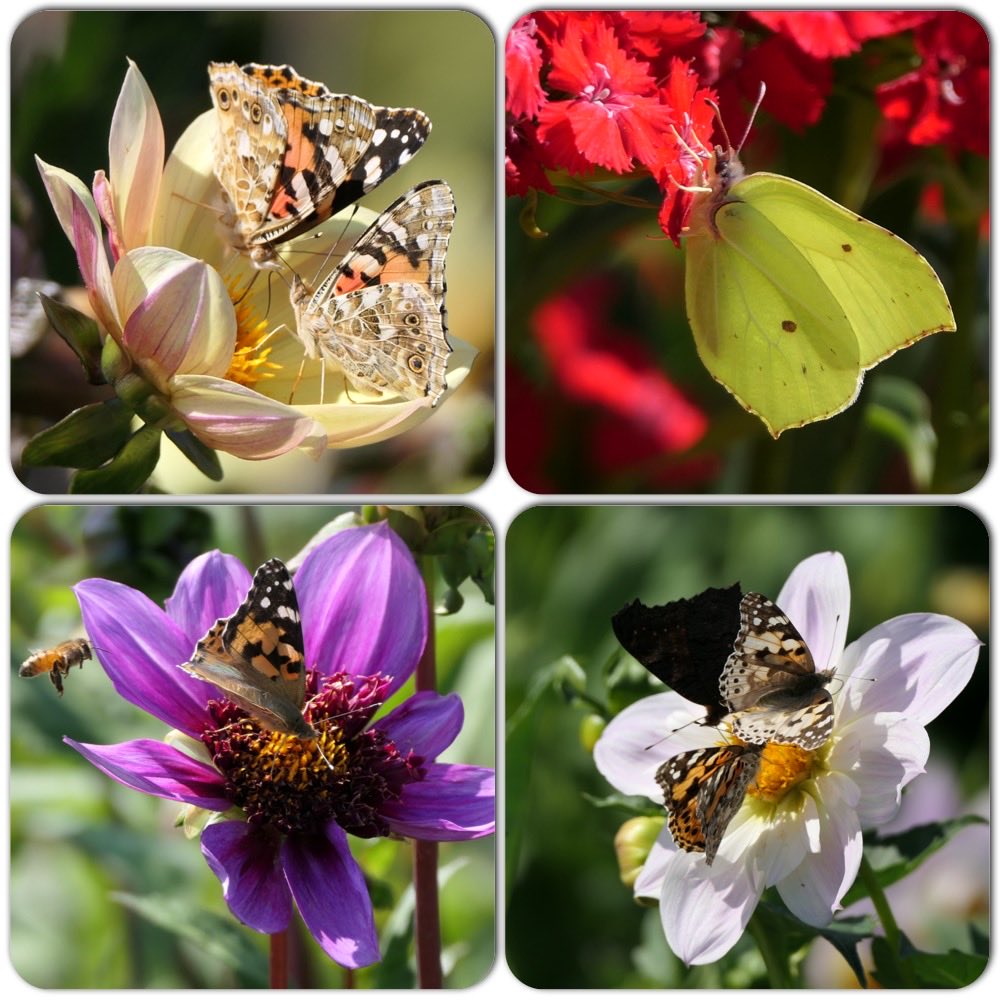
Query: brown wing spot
(416, 363)
(846, 247)
(789, 326)
(256, 114)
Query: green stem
(885, 915)
(775, 960)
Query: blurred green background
(67, 68)
(81, 843)
(570, 921)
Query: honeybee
(56, 662)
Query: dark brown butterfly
(685, 643)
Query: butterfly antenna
(677, 730)
(753, 115)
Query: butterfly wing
(380, 314)
(703, 790)
(249, 147)
(685, 643)
(256, 655)
(808, 727)
(791, 298)
(771, 683)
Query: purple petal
(330, 892)
(363, 604)
(212, 586)
(426, 723)
(920, 663)
(157, 769)
(244, 859)
(817, 600)
(454, 802)
(139, 648)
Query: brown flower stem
(427, 924)
(278, 961)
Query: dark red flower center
(297, 785)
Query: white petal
(649, 881)
(814, 890)
(632, 746)
(817, 599)
(882, 754)
(705, 909)
(920, 663)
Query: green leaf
(219, 936)
(80, 332)
(914, 968)
(203, 458)
(634, 805)
(901, 412)
(84, 439)
(127, 471)
(898, 854)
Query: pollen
(251, 359)
(781, 769)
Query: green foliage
(128, 471)
(84, 439)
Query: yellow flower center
(250, 361)
(781, 769)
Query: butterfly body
(289, 153)
(703, 790)
(685, 643)
(380, 313)
(57, 662)
(792, 297)
(255, 656)
(771, 683)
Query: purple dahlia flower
(364, 624)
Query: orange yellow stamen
(781, 769)
(250, 362)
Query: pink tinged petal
(920, 663)
(330, 892)
(106, 208)
(245, 860)
(212, 586)
(426, 723)
(139, 648)
(135, 158)
(817, 600)
(78, 217)
(632, 746)
(179, 315)
(237, 420)
(453, 802)
(363, 604)
(814, 890)
(157, 769)
(704, 910)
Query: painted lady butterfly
(289, 153)
(57, 662)
(380, 313)
(685, 643)
(771, 682)
(703, 790)
(256, 655)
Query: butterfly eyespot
(224, 101)
(415, 363)
(256, 113)
(411, 319)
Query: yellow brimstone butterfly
(792, 297)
